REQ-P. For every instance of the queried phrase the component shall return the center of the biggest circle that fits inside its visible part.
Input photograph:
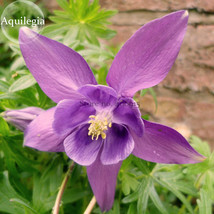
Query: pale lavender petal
(118, 145)
(127, 113)
(21, 118)
(40, 135)
(58, 69)
(162, 144)
(70, 113)
(100, 96)
(148, 55)
(103, 179)
(80, 147)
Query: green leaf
(4, 129)
(176, 193)
(145, 166)
(46, 186)
(22, 83)
(54, 29)
(128, 182)
(132, 197)
(116, 208)
(204, 203)
(15, 157)
(24, 205)
(15, 48)
(73, 194)
(8, 96)
(71, 35)
(173, 174)
(19, 62)
(152, 92)
(145, 117)
(42, 97)
(202, 167)
(208, 183)
(143, 92)
(6, 194)
(156, 200)
(132, 209)
(142, 202)
(63, 4)
(186, 187)
(87, 15)
(200, 146)
(3, 86)
(60, 13)
(59, 20)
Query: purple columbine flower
(99, 126)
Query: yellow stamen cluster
(98, 126)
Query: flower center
(98, 126)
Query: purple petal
(40, 135)
(162, 144)
(148, 55)
(100, 95)
(59, 70)
(127, 113)
(21, 118)
(81, 148)
(70, 113)
(103, 180)
(118, 145)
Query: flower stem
(90, 206)
(62, 188)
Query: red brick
(158, 5)
(192, 115)
(142, 17)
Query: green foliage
(7, 195)
(172, 188)
(81, 20)
(204, 203)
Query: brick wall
(186, 96)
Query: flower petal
(118, 145)
(103, 179)
(148, 55)
(162, 144)
(127, 113)
(100, 95)
(80, 147)
(70, 113)
(58, 69)
(40, 135)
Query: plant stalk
(90, 206)
(61, 190)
